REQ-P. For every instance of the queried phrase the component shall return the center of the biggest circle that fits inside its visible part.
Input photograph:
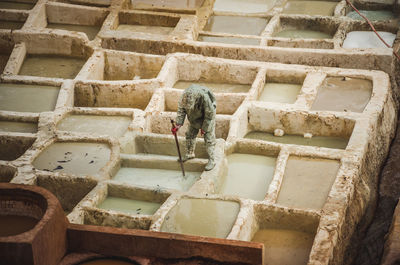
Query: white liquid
(146, 29)
(74, 158)
(368, 39)
(372, 15)
(312, 8)
(23, 127)
(307, 182)
(28, 98)
(157, 178)
(278, 92)
(129, 206)
(215, 87)
(236, 25)
(248, 176)
(229, 40)
(100, 125)
(285, 247)
(201, 217)
(243, 6)
(343, 94)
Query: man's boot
(211, 160)
(190, 145)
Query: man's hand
(202, 132)
(175, 129)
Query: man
(199, 105)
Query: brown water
(3, 61)
(129, 206)
(307, 182)
(285, 247)
(229, 40)
(302, 34)
(28, 98)
(90, 31)
(201, 217)
(15, 224)
(95, 124)
(320, 141)
(146, 29)
(157, 178)
(51, 66)
(236, 25)
(322, 8)
(11, 24)
(106, 262)
(280, 92)
(343, 94)
(15, 5)
(215, 87)
(13, 126)
(248, 176)
(73, 158)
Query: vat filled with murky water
(156, 178)
(319, 141)
(90, 31)
(95, 124)
(248, 175)
(343, 94)
(201, 217)
(284, 246)
(229, 40)
(215, 87)
(280, 92)
(129, 206)
(28, 98)
(372, 15)
(307, 182)
(14, 126)
(311, 8)
(368, 39)
(236, 25)
(302, 34)
(77, 158)
(16, 5)
(56, 66)
(146, 23)
(243, 6)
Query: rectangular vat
(17, 126)
(17, 5)
(244, 6)
(236, 25)
(307, 182)
(12, 147)
(229, 40)
(310, 7)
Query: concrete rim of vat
(44, 200)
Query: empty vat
(129, 206)
(51, 66)
(284, 246)
(280, 92)
(248, 176)
(343, 94)
(201, 217)
(319, 141)
(322, 8)
(73, 158)
(11, 148)
(157, 178)
(13, 126)
(95, 124)
(162, 30)
(372, 15)
(236, 25)
(229, 40)
(307, 182)
(28, 98)
(5, 24)
(302, 34)
(16, 224)
(16, 5)
(244, 6)
(90, 31)
(368, 39)
(215, 87)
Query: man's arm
(180, 115)
(209, 114)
